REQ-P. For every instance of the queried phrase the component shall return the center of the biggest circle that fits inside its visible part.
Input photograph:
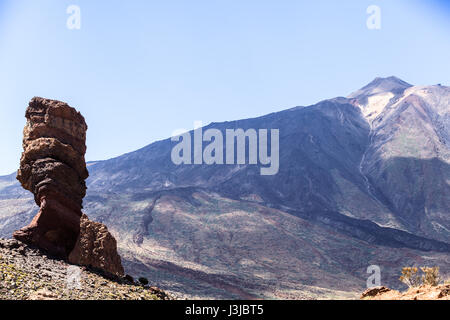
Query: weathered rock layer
(96, 247)
(53, 168)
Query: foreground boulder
(96, 247)
(372, 292)
(53, 168)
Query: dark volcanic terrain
(363, 180)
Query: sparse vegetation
(431, 276)
(143, 281)
(28, 274)
(425, 283)
(411, 277)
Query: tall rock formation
(53, 168)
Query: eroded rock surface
(53, 168)
(372, 292)
(96, 247)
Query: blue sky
(138, 70)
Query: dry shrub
(431, 276)
(411, 277)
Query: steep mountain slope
(327, 155)
(362, 180)
(407, 160)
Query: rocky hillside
(363, 180)
(29, 274)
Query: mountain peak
(379, 85)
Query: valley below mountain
(363, 180)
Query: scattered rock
(21, 250)
(43, 294)
(372, 292)
(129, 279)
(445, 292)
(10, 244)
(36, 277)
(424, 292)
(159, 293)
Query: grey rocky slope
(26, 273)
(363, 180)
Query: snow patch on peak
(375, 104)
(381, 85)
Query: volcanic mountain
(363, 180)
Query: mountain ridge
(366, 172)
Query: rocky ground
(28, 274)
(440, 292)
